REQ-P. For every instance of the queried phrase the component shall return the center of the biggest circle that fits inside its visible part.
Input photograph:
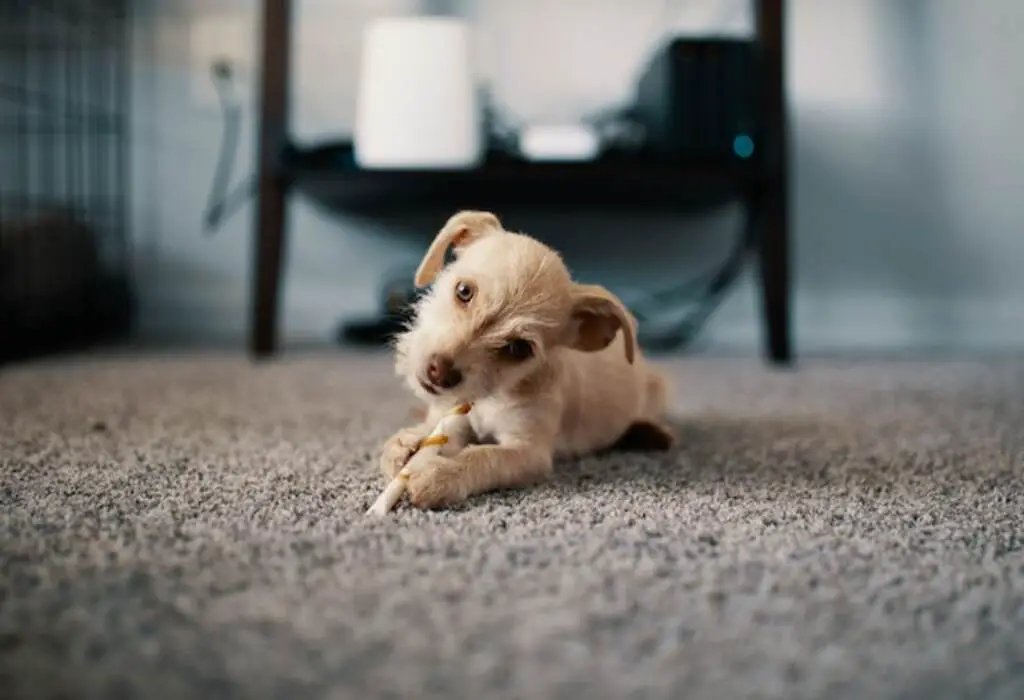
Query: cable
(221, 204)
(685, 331)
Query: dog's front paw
(439, 483)
(398, 449)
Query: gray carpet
(194, 528)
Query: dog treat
(447, 438)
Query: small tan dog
(541, 358)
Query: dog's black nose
(441, 372)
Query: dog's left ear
(597, 316)
(461, 230)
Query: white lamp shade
(417, 104)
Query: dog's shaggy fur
(551, 366)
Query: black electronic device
(697, 100)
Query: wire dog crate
(64, 182)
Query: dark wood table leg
(772, 206)
(272, 193)
(773, 262)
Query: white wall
(907, 151)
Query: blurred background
(906, 160)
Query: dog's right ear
(460, 230)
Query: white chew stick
(447, 438)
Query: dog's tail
(657, 390)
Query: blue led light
(743, 146)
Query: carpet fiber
(193, 527)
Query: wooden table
(763, 184)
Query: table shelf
(328, 174)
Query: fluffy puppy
(551, 366)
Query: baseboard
(881, 324)
(821, 324)
(309, 313)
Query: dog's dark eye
(464, 291)
(517, 349)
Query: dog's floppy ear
(597, 315)
(459, 231)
